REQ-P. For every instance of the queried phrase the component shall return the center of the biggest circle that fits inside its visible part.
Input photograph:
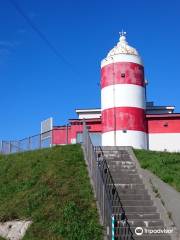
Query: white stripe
(122, 95)
(121, 58)
(164, 142)
(136, 139)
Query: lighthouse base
(135, 139)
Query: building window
(95, 138)
(123, 75)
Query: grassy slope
(163, 164)
(52, 188)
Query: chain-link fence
(38, 141)
(112, 214)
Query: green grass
(52, 188)
(163, 164)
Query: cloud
(21, 30)
(6, 44)
(6, 48)
(4, 55)
(4, 52)
(33, 15)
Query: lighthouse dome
(122, 47)
(122, 52)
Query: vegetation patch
(165, 165)
(51, 187)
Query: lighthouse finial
(122, 33)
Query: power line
(41, 35)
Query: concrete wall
(164, 142)
(164, 132)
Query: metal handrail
(122, 216)
(109, 203)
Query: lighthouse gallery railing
(112, 213)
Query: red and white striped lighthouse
(123, 97)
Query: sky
(50, 54)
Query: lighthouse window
(123, 75)
(166, 124)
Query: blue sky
(36, 83)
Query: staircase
(137, 203)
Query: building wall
(89, 115)
(77, 127)
(62, 136)
(164, 134)
(164, 142)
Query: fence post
(84, 133)
(1, 147)
(51, 141)
(112, 227)
(103, 204)
(9, 146)
(18, 146)
(29, 143)
(40, 139)
(67, 133)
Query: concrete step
(146, 223)
(137, 202)
(124, 171)
(121, 187)
(123, 174)
(133, 202)
(117, 157)
(130, 186)
(131, 191)
(127, 180)
(136, 209)
(135, 197)
(144, 237)
(145, 216)
(122, 167)
(122, 233)
(151, 236)
(120, 163)
(115, 152)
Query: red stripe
(113, 74)
(164, 125)
(124, 118)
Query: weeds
(51, 187)
(163, 164)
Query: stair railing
(111, 210)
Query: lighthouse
(123, 97)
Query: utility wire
(42, 35)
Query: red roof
(172, 115)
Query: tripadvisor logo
(139, 231)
